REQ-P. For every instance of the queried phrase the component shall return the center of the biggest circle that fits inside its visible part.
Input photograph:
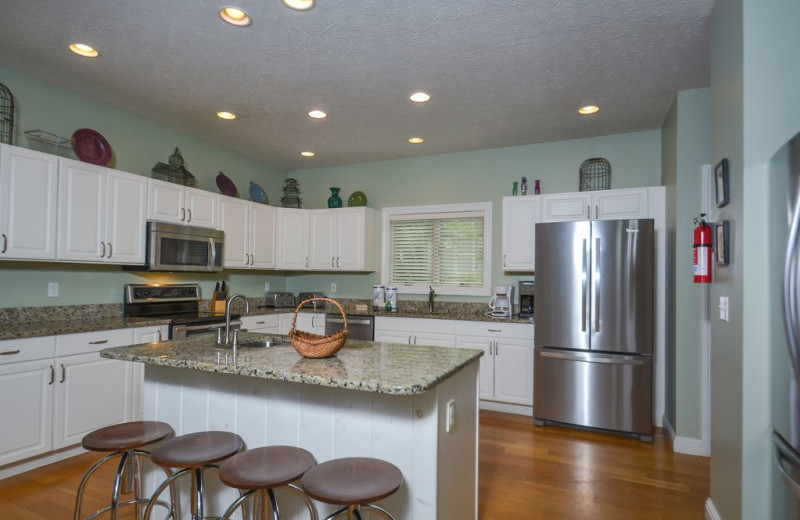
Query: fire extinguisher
(701, 267)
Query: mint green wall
(478, 176)
(138, 145)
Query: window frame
(483, 207)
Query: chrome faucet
(431, 296)
(228, 314)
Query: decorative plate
(91, 147)
(257, 193)
(226, 186)
(357, 198)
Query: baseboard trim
(507, 408)
(685, 445)
(711, 511)
(37, 462)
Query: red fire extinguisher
(701, 267)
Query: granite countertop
(22, 329)
(361, 365)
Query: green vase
(334, 201)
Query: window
(447, 247)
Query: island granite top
(384, 368)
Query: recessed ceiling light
(416, 140)
(235, 16)
(300, 5)
(317, 114)
(81, 49)
(419, 97)
(588, 109)
(226, 115)
(307, 154)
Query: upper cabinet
(181, 205)
(595, 205)
(342, 239)
(520, 215)
(292, 238)
(101, 214)
(28, 194)
(250, 230)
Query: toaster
(303, 296)
(279, 299)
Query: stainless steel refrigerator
(784, 228)
(593, 358)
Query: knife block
(218, 303)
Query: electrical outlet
(723, 308)
(266, 286)
(333, 288)
(52, 290)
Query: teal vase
(334, 201)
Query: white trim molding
(711, 511)
(685, 445)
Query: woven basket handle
(297, 310)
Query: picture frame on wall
(721, 183)
(723, 246)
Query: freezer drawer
(608, 391)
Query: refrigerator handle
(785, 456)
(584, 289)
(790, 281)
(588, 357)
(596, 278)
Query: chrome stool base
(355, 512)
(259, 496)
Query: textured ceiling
(500, 73)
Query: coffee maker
(526, 299)
(502, 302)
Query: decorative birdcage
(6, 115)
(291, 194)
(594, 174)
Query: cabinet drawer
(493, 329)
(398, 324)
(70, 344)
(260, 322)
(435, 326)
(28, 349)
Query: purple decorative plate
(226, 186)
(91, 147)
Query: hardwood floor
(526, 472)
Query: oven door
(183, 248)
(184, 331)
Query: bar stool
(261, 470)
(124, 441)
(353, 483)
(193, 453)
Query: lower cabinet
(268, 323)
(307, 321)
(416, 331)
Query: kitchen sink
(263, 343)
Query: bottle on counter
(536, 188)
(514, 191)
(378, 297)
(523, 187)
(391, 299)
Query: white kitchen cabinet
(307, 321)
(292, 238)
(342, 239)
(101, 214)
(416, 331)
(520, 215)
(266, 323)
(169, 202)
(26, 398)
(595, 205)
(28, 196)
(142, 335)
(249, 233)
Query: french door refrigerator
(593, 357)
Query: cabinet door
(513, 371)
(28, 192)
(126, 205)
(142, 335)
(292, 243)
(285, 324)
(323, 239)
(26, 406)
(234, 220)
(565, 207)
(433, 340)
(520, 215)
(263, 223)
(264, 323)
(91, 392)
(81, 211)
(165, 202)
(201, 208)
(620, 204)
(486, 372)
(351, 252)
(393, 336)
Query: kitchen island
(372, 399)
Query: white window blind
(444, 249)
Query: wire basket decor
(46, 142)
(594, 174)
(310, 345)
(6, 115)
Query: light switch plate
(723, 308)
(333, 288)
(52, 290)
(266, 286)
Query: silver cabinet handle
(306, 261)
(5, 243)
(253, 261)
(415, 340)
(504, 260)
(260, 322)
(337, 262)
(588, 212)
(584, 288)
(491, 343)
(110, 250)
(596, 213)
(494, 330)
(409, 340)
(496, 352)
(183, 214)
(790, 314)
(63, 373)
(332, 258)
(159, 335)
(597, 285)
(189, 211)
(98, 342)
(103, 253)
(52, 375)
(9, 352)
(213, 260)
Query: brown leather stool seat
(193, 453)
(354, 483)
(124, 441)
(261, 470)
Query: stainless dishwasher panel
(358, 327)
(608, 391)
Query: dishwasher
(358, 327)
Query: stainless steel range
(180, 303)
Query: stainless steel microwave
(171, 247)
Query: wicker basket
(312, 345)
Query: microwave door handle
(790, 280)
(213, 257)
